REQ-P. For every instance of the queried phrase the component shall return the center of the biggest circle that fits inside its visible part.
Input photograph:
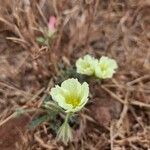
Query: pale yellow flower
(71, 95)
(86, 65)
(105, 68)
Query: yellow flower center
(72, 101)
(87, 65)
(104, 67)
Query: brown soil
(12, 132)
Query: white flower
(105, 68)
(86, 65)
(71, 95)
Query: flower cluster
(72, 96)
(102, 68)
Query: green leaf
(38, 121)
(52, 107)
(40, 40)
(48, 98)
(21, 111)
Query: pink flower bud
(52, 23)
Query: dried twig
(41, 142)
(132, 102)
(112, 94)
(124, 111)
(138, 80)
(112, 136)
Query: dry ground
(118, 115)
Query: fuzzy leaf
(38, 121)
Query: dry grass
(116, 28)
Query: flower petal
(105, 68)
(85, 65)
(73, 86)
(58, 95)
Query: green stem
(67, 117)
